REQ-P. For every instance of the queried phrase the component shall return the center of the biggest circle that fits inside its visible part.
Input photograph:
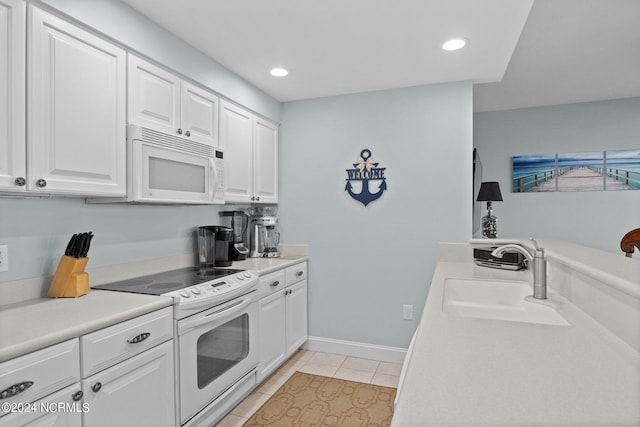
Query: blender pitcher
(271, 238)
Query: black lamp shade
(489, 192)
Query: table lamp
(489, 192)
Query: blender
(238, 250)
(265, 236)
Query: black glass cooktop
(161, 283)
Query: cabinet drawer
(116, 343)
(39, 373)
(296, 273)
(271, 282)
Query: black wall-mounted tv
(477, 181)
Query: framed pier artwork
(612, 170)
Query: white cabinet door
(153, 96)
(236, 137)
(136, 392)
(12, 95)
(272, 333)
(265, 162)
(60, 409)
(199, 118)
(76, 114)
(297, 332)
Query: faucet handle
(535, 244)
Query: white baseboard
(356, 349)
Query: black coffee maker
(213, 246)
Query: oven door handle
(213, 316)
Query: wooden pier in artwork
(582, 178)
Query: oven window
(222, 348)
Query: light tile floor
(312, 362)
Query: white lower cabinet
(60, 409)
(136, 392)
(134, 383)
(283, 317)
(122, 375)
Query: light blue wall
(595, 219)
(124, 24)
(37, 232)
(367, 262)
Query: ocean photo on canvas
(623, 166)
(529, 173)
(581, 171)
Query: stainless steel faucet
(538, 264)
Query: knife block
(70, 280)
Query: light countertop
(262, 266)
(34, 324)
(482, 372)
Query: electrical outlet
(4, 258)
(407, 312)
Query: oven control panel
(215, 291)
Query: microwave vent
(175, 143)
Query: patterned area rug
(313, 400)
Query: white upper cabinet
(162, 101)
(236, 138)
(76, 110)
(199, 118)
(251, 151)
(265, 161)
(12, 95)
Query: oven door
(216, 348)
(162, 175)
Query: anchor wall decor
(366, 170)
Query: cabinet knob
(275, 283)
(77, 395)
(20, 181)
(96, 387)
(253, 198)
(187, 133)
(299, 273)
(258, 198)
(41, 183)
(179, 131)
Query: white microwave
(167, 169)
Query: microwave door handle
(213, 316)
(213, 179)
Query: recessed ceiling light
(454, 44)
(279, 72)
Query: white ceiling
(519, 55)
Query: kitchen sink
(498, 300)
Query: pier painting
(623, 166)
(530, 172)
(587, 171)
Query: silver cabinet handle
(139, 338)
(299, 273)
(20, 181)
(96, 387)
(275, 283)
(15, 389)
(187, 133)
(179, 131)
(41, 183)
(77, 395)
